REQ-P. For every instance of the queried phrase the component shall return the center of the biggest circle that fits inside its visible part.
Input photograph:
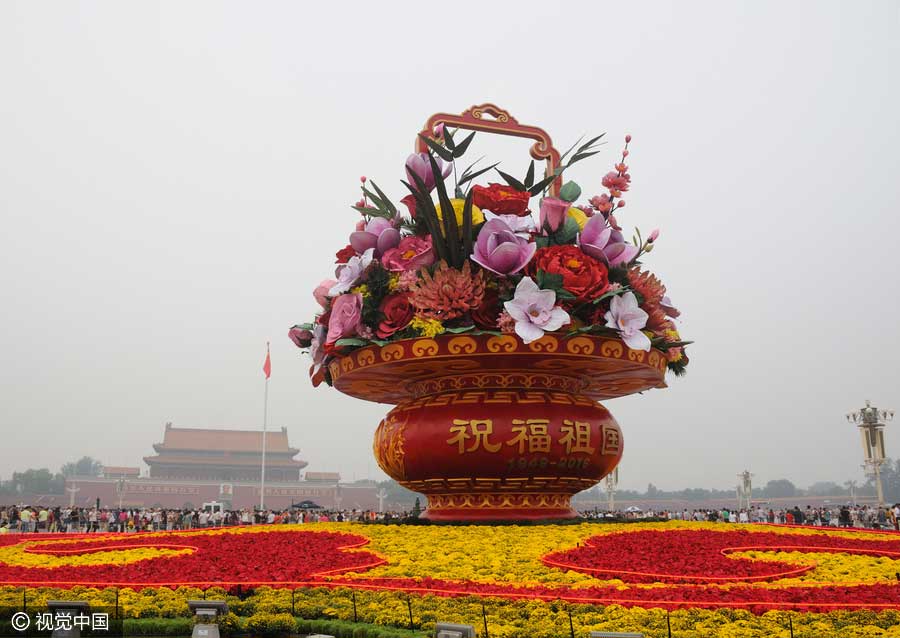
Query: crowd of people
(866, 516)
(33, 519)
(30, 519)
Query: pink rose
(553, 213)
(321, 291)
(411, 253)
(346, 313)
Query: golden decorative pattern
(593, 367)
(499, 501)
(462, 345)
(388, 447)
(424, 347)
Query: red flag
(267, 366)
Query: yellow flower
(428, 327)
(672, 335)
(393, 281)
(361, 289)
(458, 205)
(578, 215)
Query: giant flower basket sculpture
(493, 333)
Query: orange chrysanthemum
(652, 290)
(448, 293)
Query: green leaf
(470, 167)
(388, 204)
(562, 293)
(451, 229)
(512, 181)
(571, 148)
(566, 234)
(587, 145)
(457, 331)
(373, 212)
(425, 209)
(580, 156)
(448, 139)
(441, 151)
(611, 293)
(477, 173)
(570, 191)
(541, 185)
(467, 225)
(351, 342)
(463, 146)
(529, 176)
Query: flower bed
(609, 577)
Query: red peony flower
(344, 254)
(585, 277)
(501, 200)
(397, 313)
(485, 316)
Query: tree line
(43, 481)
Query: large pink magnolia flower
(346, 315)
(322, 291)
(601, 241)
(351, 272)
(411, 253)
(627, 317)
(535, 311)
(500, 250)
(379, 234)
(419, 164)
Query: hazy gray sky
(175, 178)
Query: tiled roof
(224, 440)
(225, 461)
(114, 470)
(323, 476)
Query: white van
(213, 507)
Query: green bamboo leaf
(467, 225)
(451, 229)
(571, 148)
(529, 176)
(512, 181)
(425, 209)
(463, 146)
(477, 173)
(379, 203)
(441, 151)
(580, 156)
(390, 206)
(590, 142)
(448, 139)
(373, 212)
(541, 185)
(470, 167)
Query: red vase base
(502, 506)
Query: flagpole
(262, 475)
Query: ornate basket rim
(586, 365)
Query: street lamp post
(120, 490)
(612, 483)
(871, 421)
(745, 490)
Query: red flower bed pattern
(243, 558)
(694, 564)
(702, 555)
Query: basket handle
(502, 124)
